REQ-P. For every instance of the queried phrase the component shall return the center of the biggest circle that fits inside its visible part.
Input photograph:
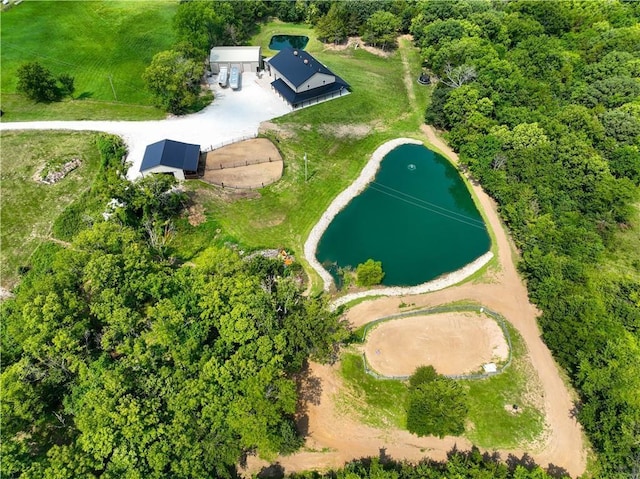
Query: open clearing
(453, 343)
(105, 46)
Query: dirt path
(334, 438)
(408, 82)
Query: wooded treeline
(541, 99)
(459, 464)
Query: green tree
(202, 24)
(381, 29)
(436, 405)
(37, 83)
(174, 80)
(369, 273)
(333, 27)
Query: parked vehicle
(223, 76)
(234, 78)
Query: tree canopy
(37, 83)
(549, 123)
(174, 80)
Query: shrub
(422, 375)
(369, 273)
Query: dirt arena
(453, 343)
(247, 164)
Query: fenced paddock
(456, 340)
(252, 163)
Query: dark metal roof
(171, 153)
(291, 64)
(295, 98)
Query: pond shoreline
(366, 176)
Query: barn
(169, 156)
(302, 80)
(247, 59)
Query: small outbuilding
(247, 59)
(173, 157)
(302, 80)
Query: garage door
(248, 67)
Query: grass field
(491, 423)
(338, 137)
(28, 209)
(98, 43)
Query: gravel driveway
(232, 115)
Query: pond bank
(426, 283)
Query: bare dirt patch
(355, 43)
(195, 215)
(251, 163)
(355, 131)
(280, 130)
(453, 343)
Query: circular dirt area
(247, 164)
(453, 343)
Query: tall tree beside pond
(381, 29)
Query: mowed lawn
(28, 208)
(99, 43)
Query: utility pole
(113, 89)
(305, 167)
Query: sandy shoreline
(366, 176)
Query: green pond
(416, 216)
(280, 42)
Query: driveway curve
(233, 115)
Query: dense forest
(459, 464)
(118, 363)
